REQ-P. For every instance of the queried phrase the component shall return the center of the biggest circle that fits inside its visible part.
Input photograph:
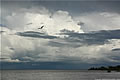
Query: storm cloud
(92, 38)
(71, 34)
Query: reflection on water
(58, 75)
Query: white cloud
(18, 48)
(95, 21)
(53, 22)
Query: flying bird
(41, 27)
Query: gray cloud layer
(72, 47)
(35, 35)
(92, 38)
(116, 49)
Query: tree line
(108, 68)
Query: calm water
(58, 75)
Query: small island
(108, 68)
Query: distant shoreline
(108, 68)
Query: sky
(59, 34)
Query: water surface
(58, 75)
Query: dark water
(58, 75)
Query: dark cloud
(75, 39)
(11, 48)
(116, 49)
(3, 58)
(92, 38)
(28, 23)
(50, 65)
(53, 43)
(44, 65)
(2, 25)
(2, 31)
(35, 35)
(62, 44)
(75, 7)
(60, 0)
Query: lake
(58, 75)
